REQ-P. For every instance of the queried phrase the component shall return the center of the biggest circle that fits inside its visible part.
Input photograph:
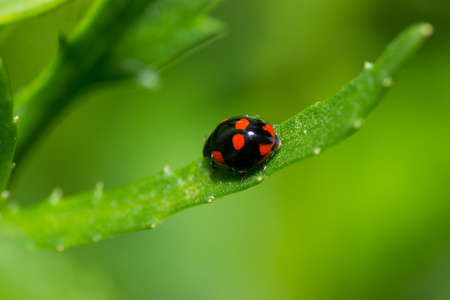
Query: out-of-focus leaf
(27, 274)
(116, 39)
(7, 128)
(16, 10)
(168, 29)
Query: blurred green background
(367, 219)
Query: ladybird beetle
(241, 143)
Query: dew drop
(5, 194)
(60, 247)
(166, 170)
(99, 189)
(16, 119)
(148, 79)
(211, 199)
(317, 150)
(96, 238)
(358, 123)
(387, 82)
(368, 65)
(427, 29)
(99, 185)
(55, 196)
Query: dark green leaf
(7, 128)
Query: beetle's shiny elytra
(241, 143)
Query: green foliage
(89, 217)
(16, 10)
(7, 128)
(88, 283)
(167, 30)
(102, 49)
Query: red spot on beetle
(269, 128)
(242, 124)
(264, 149)
(238, 141)
(217, 157)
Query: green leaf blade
(99, 214)
(7, 128)
(168, 30)
(16, 10)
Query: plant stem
(77, 65)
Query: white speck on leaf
(387, 82)
(368, 65)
